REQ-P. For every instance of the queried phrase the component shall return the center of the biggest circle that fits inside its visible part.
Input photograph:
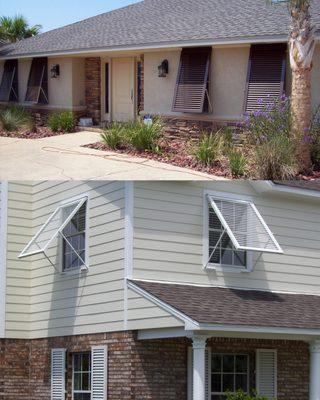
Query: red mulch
(175, 152)
(40, 133)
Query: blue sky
(55, 13)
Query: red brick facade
(137, 370)
(93, 88)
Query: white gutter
(155, 46)
(271, 187)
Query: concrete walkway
(62, 157)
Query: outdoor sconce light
(163, 69)
(55, 71)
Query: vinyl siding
(73, 302)
(3, 263)
(168, 240)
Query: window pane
(241, 363)
(228, 363)
(240, 258)
(216, 363)
(82, 396)
(228, 383)
(85, 381)
(77, 362)
(86, 362)
(77, 381)
(215, 258)
(214, 221)
(216, 383)
(242, 382)
(226, 257)
(214, 237)
(226, 242)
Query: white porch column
(314, 389)
(199, 367)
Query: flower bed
(39, 133)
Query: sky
(56, 13)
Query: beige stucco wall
(60, 88)
(316, 78)
(228, 81)
(78, 82)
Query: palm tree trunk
(301, 115)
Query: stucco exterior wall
(60, 88)
(316, 78)
(78, 82)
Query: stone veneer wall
(139, 370)
(93, 88)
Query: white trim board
(3, 255)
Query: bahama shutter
(9, 82)
(266, 74)
(99, 359)
(37, 90)
(58, 370)
(266, 373)
(192, 80)
(208, 373)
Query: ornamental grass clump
(272, 146)
(237, 163)
(16, 119)
(145, 136)
(209, 148)
(114, 136)
(62, 122)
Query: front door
(123, 89)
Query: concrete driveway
(62, 157)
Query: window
(234, 229)
(74, 240)
(229, 373)
(81, 376)
(66, 230)
(9, 82)
(191, 91)
(37, 90)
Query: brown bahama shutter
(37, 91)
(193, 75)
(9, 81)
(266, 74)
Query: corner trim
(128, 229)
(3, 255)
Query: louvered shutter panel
(266, 373)
(37, 90)
(58, 370)
(208, 373)
(266, 74)
(192, 79)
(99, 356)
(9, 82)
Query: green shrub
(238, 163)
(315, 137)
(209, 148)
(144, 136)
(114, 136)
(241, 395)
(62, 122)
(15, 119)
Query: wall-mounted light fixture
(163, 69)
(55, 71)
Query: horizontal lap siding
(168, 238)
(19, 231)
(73, 303)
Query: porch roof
(153, 23)
(224, 306)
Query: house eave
(156, 46)
(271, 187)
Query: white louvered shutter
(266, 369)
(190, 373)
(58, 371)
(99, 356)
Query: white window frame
(82, 391)
(229, 373)
(205, 255)
(81, 199)
(87, 258)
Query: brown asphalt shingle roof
(214, 305)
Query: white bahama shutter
(99, 357)
(190, 373)
(58, 371)
(266, 373)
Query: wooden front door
(123, 89)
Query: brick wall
(93, 88)
(139, 370)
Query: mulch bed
(40, 133)
(175, 152)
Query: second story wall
(168, 238)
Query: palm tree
(302, 46)
(16, 28)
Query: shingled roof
(214, 305)
(153, 22)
